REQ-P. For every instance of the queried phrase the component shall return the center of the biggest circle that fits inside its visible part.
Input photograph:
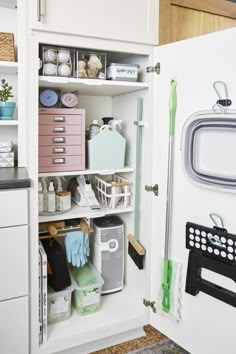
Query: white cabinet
(195, 64)
(14, 323)
(127, 20)
(14, 272)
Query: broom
(171, 273)
(135, 249)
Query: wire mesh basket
(113, 191)
(7, 51)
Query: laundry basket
(113, 191)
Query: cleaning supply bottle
(59, 189)
(45, 194)
(51, 198)
(40, 197)
(94, 129)
(106, 120)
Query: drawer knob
(59, 119)
(57, 140)
(57, 161)
(59, 150)
(59, 129)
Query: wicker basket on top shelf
(7, 50)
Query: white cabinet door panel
(14, 324)
(14, 262)
(13, 209)
(132, 20)
(195, 64)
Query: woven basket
(7, 51)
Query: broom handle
(137, 168)
(172, 110)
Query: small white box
(7, 159)
(122, 72)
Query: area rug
(163, 347)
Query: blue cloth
(77, 248)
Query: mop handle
(172, 111)
(137, 168)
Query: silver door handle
(39, 9)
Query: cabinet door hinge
(151, 304)
(154, 189)
(154, 69)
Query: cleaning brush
(135, 249)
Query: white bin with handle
(106, 150)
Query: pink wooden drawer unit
(61, 139)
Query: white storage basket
(113, 191)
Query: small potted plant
(6, 108)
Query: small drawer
(62, 163)
(14, 207)
(59, 129)
(60, 150)
(14, 274)
(60, 119)
(60, 140)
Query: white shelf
(87, 172)
(8, 67)
(84, 212)
(9, 122)
(92, 87)
(11, 4)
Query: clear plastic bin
(59, 304)
(87, 298)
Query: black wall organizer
(213, 249)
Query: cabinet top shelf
(8, 67)
(92, 87)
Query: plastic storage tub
(122, 72)
(87, 297)
(59, 304)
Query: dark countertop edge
(24, 183)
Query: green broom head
(166, 285)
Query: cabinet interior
(120, 102)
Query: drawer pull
(59, 161)
(59, 119)
(57, 140)
(59, 150)
(59, 129)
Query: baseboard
(101, 344)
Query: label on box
(91, 298)
(58, 306)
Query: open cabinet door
(207, 324)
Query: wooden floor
(152, 337)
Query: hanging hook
(216, 216)
(223, 102)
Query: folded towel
(69, 100)
(48, 98)
(83, 276)
(6, 146)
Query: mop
(170, 287)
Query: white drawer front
(14, 262)
(14, 324)
(13, 207)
